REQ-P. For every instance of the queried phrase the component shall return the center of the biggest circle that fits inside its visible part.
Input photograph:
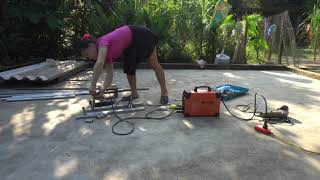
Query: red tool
(201, 102)
(262, 129)
(280, 114)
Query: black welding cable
(246, 108)
(120, 120)
(147, 117)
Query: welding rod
(48, 89)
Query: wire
(247, 107)
(147, 116)
(295, 146)
(120, 119)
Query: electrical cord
(147, 116)
(247, 107)
(119, 119)
(295, 146)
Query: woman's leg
(133, 85)
(154, 64)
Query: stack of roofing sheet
(45, 71)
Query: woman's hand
(99, 95)
(92, 92)
(96, 95)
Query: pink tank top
(117, 41)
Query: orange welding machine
(201, 102)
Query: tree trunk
(239, 53)
(280, 52)
(244, 59)
(315, 50)
(210, 55)
(213, 48)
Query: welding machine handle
(196, 88)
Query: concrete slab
(42, 140)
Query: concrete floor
(42, 140)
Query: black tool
(279, 114)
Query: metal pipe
(49, 89)
(39, 98)
(110, 107)
(3, 95)
(42, 95)
(102, 114)
(53, 95)
(119, 90)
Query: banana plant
(315, 29)
(256, 45)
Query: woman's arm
(98, 68)
(109, 76)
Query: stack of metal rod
(30, 94)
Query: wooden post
(239, 53)
(280, 52)
(244, 59)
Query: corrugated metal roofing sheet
(45, 72)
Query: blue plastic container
(230, 91)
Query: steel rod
(3, 95)
(102, 114)
(119, 90)
(29, 96)
(39, 98)
(110, 107)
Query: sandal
(164, 100)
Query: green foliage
(309, 29)
(256, 46)
(315, 29)
(53, 28)
(255, 51)
(30, 29)
(226, 36)
(180, 25)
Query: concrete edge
(213, 66)
(304, 72)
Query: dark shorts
(143, 43)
